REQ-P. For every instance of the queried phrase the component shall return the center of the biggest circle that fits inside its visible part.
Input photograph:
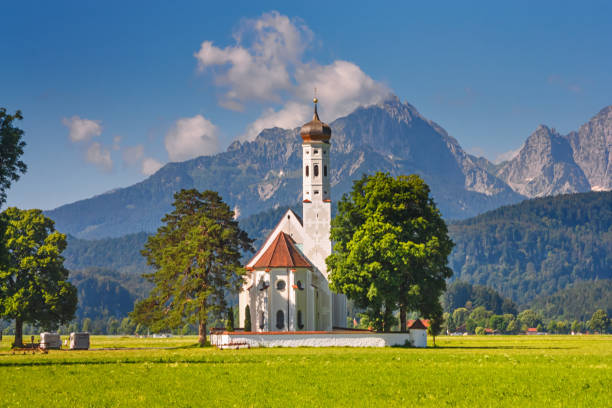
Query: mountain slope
(592, 148)
(537, 247)
(266, 173)
(544, 166)
(549, 163)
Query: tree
(529, 318)
(86, 324)
(196, 256)
(497, 323)
(33, 279)
(390, 249)
(11, 149)
(247, 319)
(229, 324)
(599, 321)
(513, 327)
(460, 315)
(435, 322)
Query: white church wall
(330, 339)
(279, 299)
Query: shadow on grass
(501, 348)
(126, 361)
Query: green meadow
(551, 371)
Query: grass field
(550, 371)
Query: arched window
(307, 171)
(299, 320)
(262, 320)
(280, 319)
(315, 169)
(324, 171)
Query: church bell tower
(316, 195)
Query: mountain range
(255, 176)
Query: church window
(262, 320)
(307, 173)
(280, 319)
(316, 170)
(299, 320)
(316, 191)
(316, 152)
(280, 284)
(299, 285)
(324, 171)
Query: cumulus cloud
(81, 129)
(150, 166)
(132, 155)
(100, 156)
(258, 66)
(266, 63)
(191, 137)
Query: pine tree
(247, 319)
(196, 256)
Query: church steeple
(315, 130)
(315, 157)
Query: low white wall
(329, 339)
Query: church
(286, 287)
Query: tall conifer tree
(196, 256)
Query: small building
(418, 333)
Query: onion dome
(315, 130)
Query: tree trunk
(402, 318)
(18, 333)
(202, 333)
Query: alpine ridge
(391, 136)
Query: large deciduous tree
(33, 279)
(196, 256)
(11, 149)
(390, 249)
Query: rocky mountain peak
(544, 166)
(592, 149)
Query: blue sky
(111, 90)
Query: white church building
(286, 287)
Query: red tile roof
(418, 324)
(282, 253)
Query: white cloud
(100, 156)
(290, 116)
(117, 143)
(267, 64)
(192, 137)
(82, 129)
(150, 166)
(133, 155)
(509, 155)
(258, 66)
